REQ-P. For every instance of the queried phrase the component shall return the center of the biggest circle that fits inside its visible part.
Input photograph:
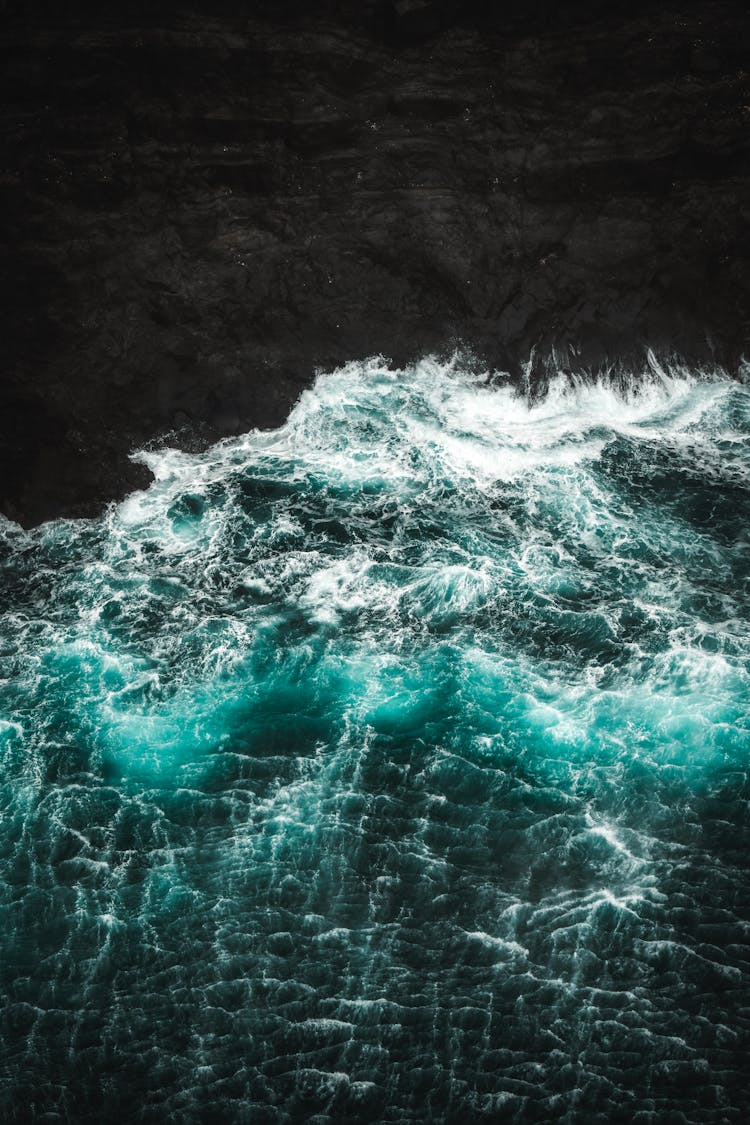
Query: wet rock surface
(201, 208)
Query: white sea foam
(367, 425)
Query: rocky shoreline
(201, 209)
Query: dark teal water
(392, 766)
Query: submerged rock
(203, 207)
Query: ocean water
(391, 766)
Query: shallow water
(391, 766)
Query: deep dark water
(391, 766)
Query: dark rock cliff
(201, 207)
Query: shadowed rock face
(200, 208)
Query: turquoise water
(391, 766)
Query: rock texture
(202, 206)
